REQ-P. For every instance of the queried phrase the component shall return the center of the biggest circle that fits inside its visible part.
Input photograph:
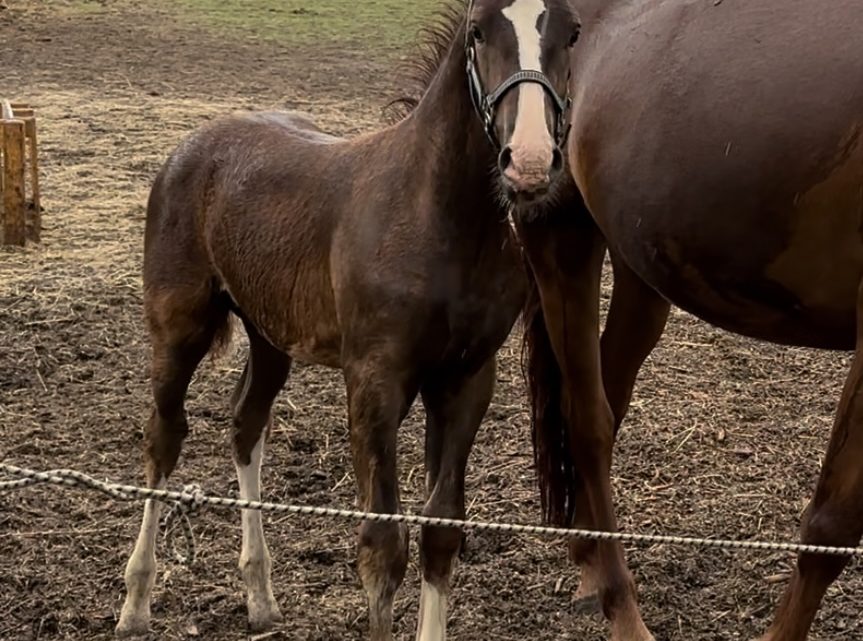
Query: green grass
(374, 25)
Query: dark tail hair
(555, 468)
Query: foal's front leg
(455, 407)
(379, 396)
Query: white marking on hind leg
(255, 561)
(432, 618)
(141, 573)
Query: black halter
(486, 104)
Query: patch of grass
(373, 25)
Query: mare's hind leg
(380, 392)
(835, 514)
(635, 323)
(263, 378)
(183, 323)
(454, 410)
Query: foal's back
(240, 215)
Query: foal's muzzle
(527, 181)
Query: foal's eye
(574, 37)
(476, 34)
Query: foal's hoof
(264, 615)
(132, 626)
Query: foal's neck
(448, 139)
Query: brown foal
(388, 256)
(717, 147)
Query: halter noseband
(486, 103)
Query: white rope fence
(192, 498)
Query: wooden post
(20, 206)
(2, 173)
(14, 224)
(34, 211)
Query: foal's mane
(434, 41)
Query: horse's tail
(555, 468)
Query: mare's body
(717, 149)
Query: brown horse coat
(388, 256)
(717, 148)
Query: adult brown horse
(388, 256)
(717, 148)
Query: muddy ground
(724, 438)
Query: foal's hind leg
(835, 514)
(183, 324)
(380, 392)
(454, 410)
(263, 377)
(635, 323)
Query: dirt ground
(724, 438)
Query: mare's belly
(790, 280)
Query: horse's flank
(722, 90)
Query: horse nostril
(505, 158)
(556, 160)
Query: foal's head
(518, 65)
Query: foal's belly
(789, 279)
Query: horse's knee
(828, 525)
(592, 438)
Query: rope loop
(178, 517)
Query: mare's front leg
(835, 515)
(455, 406)
(380, 392)
(636, 320)
(566, 258)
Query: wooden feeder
(20, 210)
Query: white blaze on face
(531, 140)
